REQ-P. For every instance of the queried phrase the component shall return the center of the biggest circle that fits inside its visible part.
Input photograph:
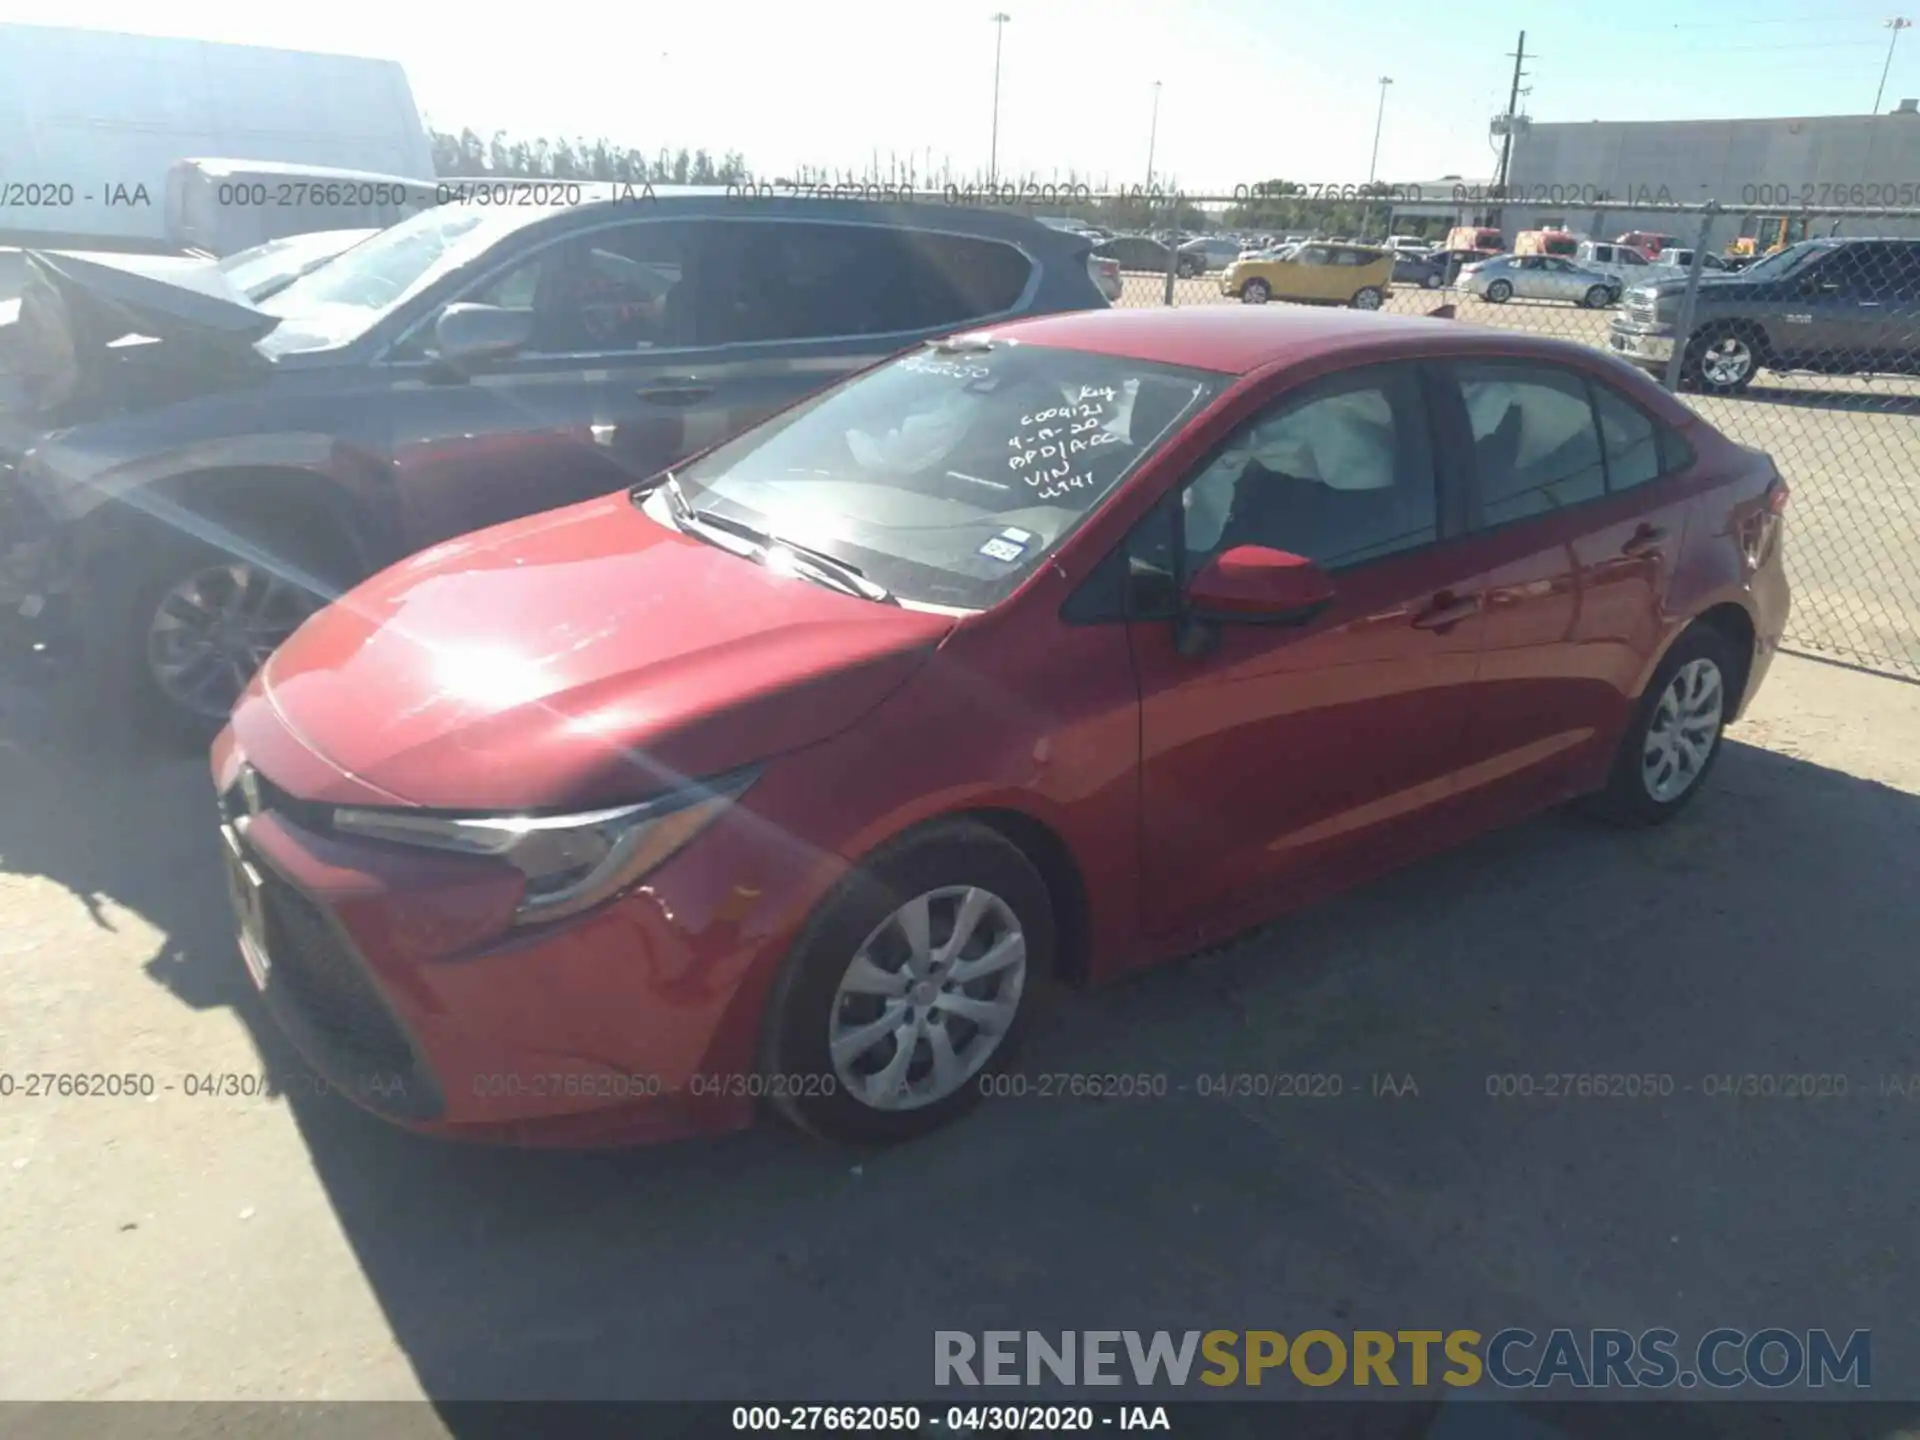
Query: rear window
(949, 475)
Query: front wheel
(1675, 734)
(1256, 292)
(1368, 298)
(1430, 281)
(173, 634)
(914, 983)
(1721, 361)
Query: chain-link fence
(1810, 352)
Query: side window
(1342, 474)
(802, 281)
(1631, 437)
(1315, 255)
(1629, 256)
(608, 290)
(1603, 254)
(1535, 446)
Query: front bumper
(1640, 345)
(397, 974)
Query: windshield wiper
(819, 565)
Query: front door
(1283, 758)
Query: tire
(1598, 297)
(1500, 291)
(1632, 795)
(1431, 280)
(1256, 292)
(1722, 360)
(1368, 297)
(124, 634)
(953, 861)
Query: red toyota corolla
(1041, 654)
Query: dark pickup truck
(1832, 306)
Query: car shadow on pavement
(1341, 1121)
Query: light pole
(1378, 119)
(1000, 18)
(1896, 25)
(1153, 133)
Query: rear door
(1578, 551)
(1279, 758)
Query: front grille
(312, 966)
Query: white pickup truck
(1623, 262)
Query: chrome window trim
(1035, 272)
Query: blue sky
(1250, 88)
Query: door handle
(1446, 611)
(672, 394)
(1645, 541)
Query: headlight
(572, 862)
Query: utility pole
(1513, 105)
(1153, 133)
(1896, 25)
(1000, 19)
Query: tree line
(1270, 206)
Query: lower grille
(314, 971)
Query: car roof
(1239, 339)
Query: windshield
(949, 476)
(1784, 262)
(341, 301)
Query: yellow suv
(1356, 275)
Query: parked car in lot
(171, 510)
(1214, 252)
(1144, 253)
(1356, 275)
(1427, 270)
(1107, 275)
(804, 771)
(1677, 261)
(1830, 306)
(1538, 277)
(1650, 243)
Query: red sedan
(800, 774)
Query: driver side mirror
(466, 336)
(1253, 584)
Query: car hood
(584, 657)
(69, 332)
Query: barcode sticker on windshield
(1003, 550)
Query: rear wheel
(1598, 297)
(1256, 292)
(1675, 734)
(1500, 291)
(1430, 281)
(1368, 298)
(916, 980)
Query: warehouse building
(1767, 173)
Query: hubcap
(1366, 300)
(927, 998)
(1686, 723)
(1727, 360)
(214, 629)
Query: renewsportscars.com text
(1512, 1359)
